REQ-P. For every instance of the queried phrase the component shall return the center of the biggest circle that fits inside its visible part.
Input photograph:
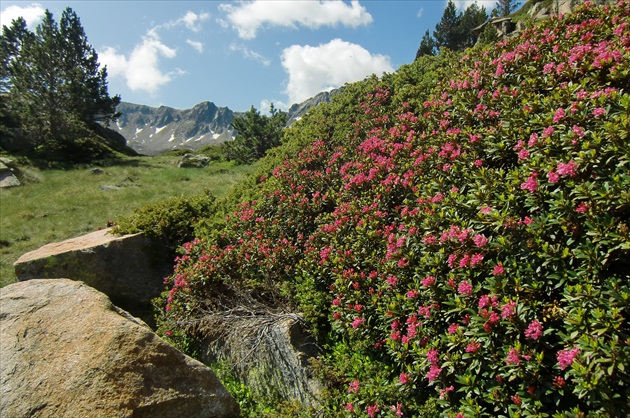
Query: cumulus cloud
(191, 20)
(141, 69)
(249, 54)
(198, 46)
(313, 69)
(463, 4)
(248, 17)
(33, 14)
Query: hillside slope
(460, 247)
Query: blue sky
(242, 53)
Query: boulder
(193, 161)
(129, 269)
(67, 351)
(8, 172)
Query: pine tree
(86, 83)
(427, 46)
(448, 31)
(473, 17)
(54, 85)
(256, 134)
(505, 7)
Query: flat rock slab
(129, 269)
(67, 351)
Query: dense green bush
(172, 220)
(461, 249)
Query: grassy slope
(67, 203)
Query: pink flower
(434, 371)
(578, 131)
(533, 138)
(553, 177)
(513, 357)
(350, 407)
(559, 115)
(559, 381)
(498, 269)
(531, 184)
(507, 310)
(353, 387)
(428, 281)
(404, 378)
(465, 288)
(452, 329)
(433, 356)
(357, 322)
(534, 330)
(480, 240)
(473, 347)
(445, 391)
(547, 132)
(523, 154)
(566, 357)
(485, 210)
(568, 169)
(476, 259)
(397, 409)
(412, 294)
(372, 410)
(484, 301)
(582, 207)
(599, 111)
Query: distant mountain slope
(153, 130)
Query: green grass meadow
(56, 204)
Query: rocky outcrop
(129, 269)
(68, 352)
(193, 161)
(269, 352)
(8, 173)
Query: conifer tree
(473, 17)
(505, 7)
(256, 134)
(427, 45)
(448, 31)
(52, 81)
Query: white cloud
(33, 14)
(463, 4)
(324, 67)
(191, 20)
(249, 54)
(141, 69)
(248, 17)
(420, 12)
(265, 106)
(195, 44)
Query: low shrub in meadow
(460, 249)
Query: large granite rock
(129, 269)
(66, 351)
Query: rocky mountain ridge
(153, 130)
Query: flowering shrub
(462, 250)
